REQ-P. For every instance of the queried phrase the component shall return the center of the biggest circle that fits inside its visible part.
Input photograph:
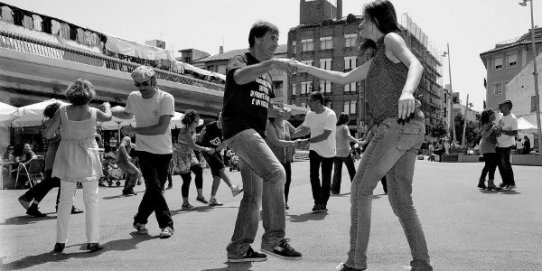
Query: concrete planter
(468, 158)
(527, 159)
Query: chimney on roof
(221, 49)
(339, 9)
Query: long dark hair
(343, 119)
(383, 15)
(484, 118)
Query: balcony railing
(34, 46)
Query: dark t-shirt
(213, 135)
(245, 106)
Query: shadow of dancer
(50, 256)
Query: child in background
(78, 160)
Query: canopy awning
(32, 115)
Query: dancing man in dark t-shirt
(212, 137)
(246, 101)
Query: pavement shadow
(47, 257)
(26, 219)
(504, 192)
(122, 196)
(233, 267)
(341, 195)
(307, 216)
(195, 209)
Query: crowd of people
(264, 142)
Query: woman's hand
(407, 105)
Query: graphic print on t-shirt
(260, 97)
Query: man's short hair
(506, 102)
(259, 29)
(317, 96)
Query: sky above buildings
(469, 26)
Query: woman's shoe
(94, 247)
(481, 184)
(59, 247)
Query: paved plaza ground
(466, 229)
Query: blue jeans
(263, 179)
(338, 169)
(392, 150)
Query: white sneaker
(166, 232)
(236, 190)
(214, 202)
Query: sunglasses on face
(145, 84)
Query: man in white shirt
(320, 122)
(153, 109)
(506, 129)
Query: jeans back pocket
(411, 137)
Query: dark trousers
(39, 191)
(288, 169)
(320, 191)
(187, 178)
(491, 161)
(154, 168)
(338, 169)
(505, 167)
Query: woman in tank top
(391, 76)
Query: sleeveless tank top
(385, 82)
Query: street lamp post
(451, 117)
(535, 73)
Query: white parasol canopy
(7, 114)
(32, 115)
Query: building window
(512, 60)
(308, 45)
(325, 63)
(350, 63)
(306, 87)
(325, 86)
(294, 47)
(350, 87)
(277, 88)
(350, 107)
(533, 104)
(497, 63)
(497, 88)
(326, 43)
(294, 89)
(350, 40)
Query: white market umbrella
(7, 114)
(32, 115)
(527, 123)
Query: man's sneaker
(322, 207)
(166, 232)
(76, 210)
(344, 267)
(284, 251)
(236, 190)
(33, 211)
(250, 256)
(141, 229)
(214, 202)
(129, 193)
(187, 206)
(25, 202)
(502, 185)
(202, 200)
(316, 208)
(511, 187)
